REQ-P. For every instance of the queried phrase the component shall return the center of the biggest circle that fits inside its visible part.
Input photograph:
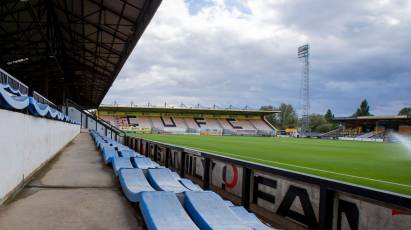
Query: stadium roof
(189, 110)
(70, 48)
(374, 118)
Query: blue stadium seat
(144, 163)
(163, 179)
(121, 147)
(175, 174)
(109, 154)
(10, 101)
(209, 211)
(37, 109)
(133, 182)
(121, 163)
(128, 153)
(228, 203)
(249, 218)
(190, 185)
(162, 210)
(105, 144)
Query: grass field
(382, 166)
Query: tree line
(319, 123)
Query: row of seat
(166, 200)
(15, 100)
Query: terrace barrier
(284, 198)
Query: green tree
(318, 121)
(405, 111)
(329, 116)
(287, 117)
(363, 110)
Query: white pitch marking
(314, 169)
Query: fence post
(167, 157)
(206, 173)
(245, 193)
(183, 163)
(155, 153)
(146, 150)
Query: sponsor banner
(224, 176)
(246, 132)
(295, 200)
(211, 132)
(354, 213)
(299, 201)
(135, 129)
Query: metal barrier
(85, 117)
(39, 98)
(7, 79)
(287, 199)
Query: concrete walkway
(75, 191)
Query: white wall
(27, 142)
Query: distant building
(376, 124)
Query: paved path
(75, 191)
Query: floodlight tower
(304, 54)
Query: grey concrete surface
(80, 165)
(75, 191)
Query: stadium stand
(168, 201)
(189, 121)
(245, 124)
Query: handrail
(43, 100)
(6, 78)
(97, 119)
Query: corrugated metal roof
(70, 48)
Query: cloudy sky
(244, 52)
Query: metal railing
(39, 98)
(187, 107)
(16, 85)
(114, 131)
(329, 192)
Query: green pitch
(377, 165)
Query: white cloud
(245, 54)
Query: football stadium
(68, 161)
